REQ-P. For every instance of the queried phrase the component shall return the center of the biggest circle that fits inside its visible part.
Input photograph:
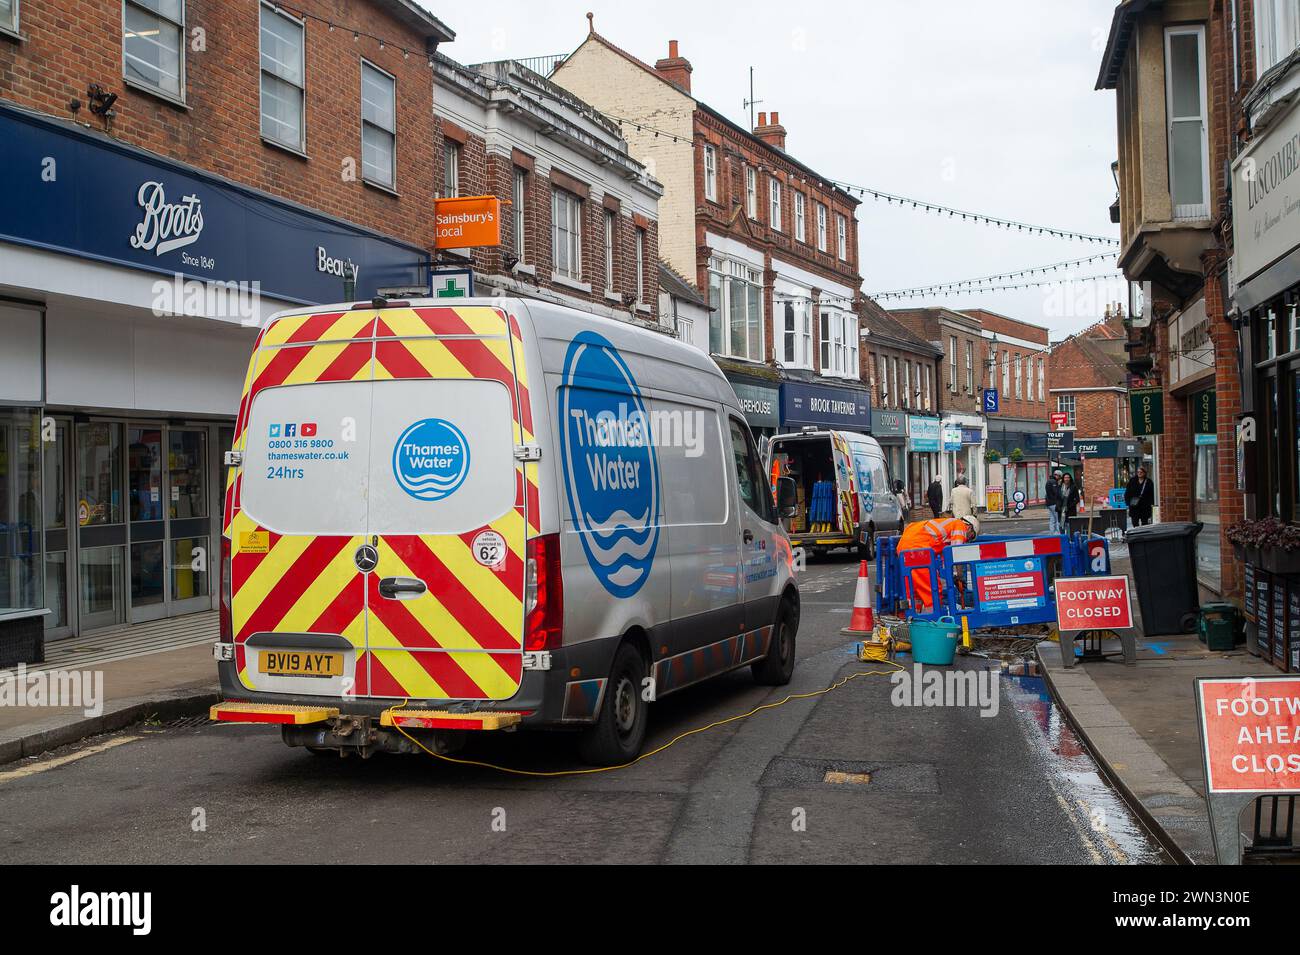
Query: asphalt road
(942, 785)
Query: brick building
(1015, 359)
(903, 372)
(962, 377)
(582, 226)
(1186, 72)
(1089, 385)
(173, 174)
(769, 241)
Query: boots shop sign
(70, 192)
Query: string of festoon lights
(984, 282)
(356, 32)
(981, 289)
(1009, 224)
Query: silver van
(491, 514)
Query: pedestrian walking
(1069, 503)
(963, 499)
(934, 497)
(1140, 496)
(1052, 498)
(904, 502)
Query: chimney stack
(772, 133)
(676, 69)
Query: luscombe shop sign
(1266, 197)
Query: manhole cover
(786, 772)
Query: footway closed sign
(1093, 603)
(1250, 733)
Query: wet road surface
(925, 784)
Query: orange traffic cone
(863, 622)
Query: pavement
(1140, 723)
(847, 776)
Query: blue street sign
(990, 401)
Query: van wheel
(620, 728)
(776, 668)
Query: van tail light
(223, 584)
(543, 594)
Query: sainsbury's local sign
(1266, 197)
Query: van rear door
(447, 506)
(396, 533)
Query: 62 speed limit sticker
(489, 548)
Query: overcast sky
(983, 105)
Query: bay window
(736, 300)
(796, 333)
(1187, 126)
(839, 341)
(1277, 32)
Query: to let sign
(1250, 732)
(1093, 603)
(466, 222)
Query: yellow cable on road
(658, 749)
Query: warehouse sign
(1147, 407)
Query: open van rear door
(382, 543)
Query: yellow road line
(58, 761)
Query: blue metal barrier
(993, 582)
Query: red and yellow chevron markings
(461, 639)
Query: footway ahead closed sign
(1250, 731)
(1250, 749)
(1093, 603)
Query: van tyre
(620, 727)
(776, 668)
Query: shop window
(21, 545)
(153, 45)
(284, 83)
(378, 126)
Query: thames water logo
(611, 471)
(431, 459)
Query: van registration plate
(300, 663)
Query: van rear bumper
(554, 698)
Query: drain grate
(189, 722)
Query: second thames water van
(843, 489)
(488, 515)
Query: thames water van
(843, 496)
(489, 515)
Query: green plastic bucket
(934, 641)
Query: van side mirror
(787, 499)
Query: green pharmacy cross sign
(1147, 407)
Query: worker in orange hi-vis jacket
(933, 535)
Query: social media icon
(308, 429)
(290, 430)
(275, 431)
